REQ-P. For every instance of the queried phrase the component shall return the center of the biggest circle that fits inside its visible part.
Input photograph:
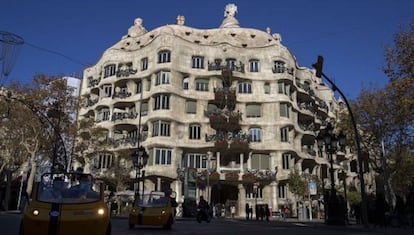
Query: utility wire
(57, 53)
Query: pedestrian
(267, 212)
(262, 212)
(232, 211)
(247, 211)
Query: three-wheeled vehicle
(154, 209)
(66, 204)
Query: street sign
(312, 188)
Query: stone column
(218, 162)
(158, 183)
(241, 163)
(241, 208)
(273, 199)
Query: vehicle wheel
(109, 229)
(169, 223)
(131, 225)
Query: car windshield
(154, 199)
(68, 188)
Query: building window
(194, 132)
(144, 108)
(191, 106)
(283, 88)
(245, 88)
(109, 70)
(104, 114)
(260, 161)
(162, 156)
(103, 161)
(185, 83)
(251, 194)
(284, 134)
(254, 66)
(286, 160)
(282, 191)
(267, 88)
(144, 64)
(161, 102)
(231, 63)
(284, 110)
(198, 62)
(160, 128)
(139, 86)
(107, 90)
(253, 110)
(202, 85)
(278, 66)
(255, 134)
(164, 56)
(195, 160)
(163, 77)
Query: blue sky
(350, 34)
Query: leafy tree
(385, 117)
(39, 122)
(92, 140)
(297, 184)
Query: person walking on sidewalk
(247, 211)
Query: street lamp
(343, 178)
(364, 210)
(328, 139)
(140, 159)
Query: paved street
(9, 223)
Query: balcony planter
(221, 145)
(218, 121)
(232, 176)
(214, 176)
(249, 178)
(202, 179)
(239, 146)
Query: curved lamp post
(364, 208)
(331, 142)
(140, 159)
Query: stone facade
(225, 112)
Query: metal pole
(310, 202)
(331, 171)
(345, 197)
(143, 188)
(364, 207)
(208, 178)
(137, 169)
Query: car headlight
(101, 211)
(35, 212)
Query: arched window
(164, 56)
(254, 66)
(278, 66)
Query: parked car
(66, 204)
(153, 209)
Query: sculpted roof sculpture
(229, 32)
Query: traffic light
(318, 66)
